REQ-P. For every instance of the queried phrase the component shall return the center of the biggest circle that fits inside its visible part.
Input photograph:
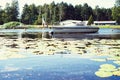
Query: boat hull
(83, 29)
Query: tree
(7, 13)
(39, 17)
(30, 14)
(52, 13)
(1, 16)
(25, 14)
(116, 14)
(11, 11)
(15, 10)
(90, 20)
(116, 11)
(86, 11)
(78, 9)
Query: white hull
(80, 29)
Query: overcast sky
(92, 3)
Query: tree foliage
(29, 14)
(116, 11)
(116, 14)
(10, 13)
(53, 13)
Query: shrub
(11, 25)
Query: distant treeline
(52, 13)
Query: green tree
(14, 10)
(102, 14)
(25, 14)
(78, 9)
(8, 13)
(1, 16)
(52, 12)
(33, 14)
(90, 20)
(29, 14)
(11, 12)
(116, 14)
(39, 17)
(116, 11)
(86, 11)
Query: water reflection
(104, 33)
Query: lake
(58, 66)
(52, 67)
(104, 33)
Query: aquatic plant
(106, 70)
(107, 66)
(103, 74)
(116, 73)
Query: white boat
(73, 26)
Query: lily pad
(103, 74)
(116, 73)
(107, 66)
(108, 69)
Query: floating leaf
(108, 69)
(103, 74)
(108, 66)
(116, 73)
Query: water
(54, 67)
(105, 33)
(50, 68)
(109, 31)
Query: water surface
(52, 67)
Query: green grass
(109, 26)
(100, 26)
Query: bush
(11, 25)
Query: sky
(92, 3)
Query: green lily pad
(116, 73)
(108, 69)
(103, 74)
(107, 66)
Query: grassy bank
(109, 26)
(100, 26)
